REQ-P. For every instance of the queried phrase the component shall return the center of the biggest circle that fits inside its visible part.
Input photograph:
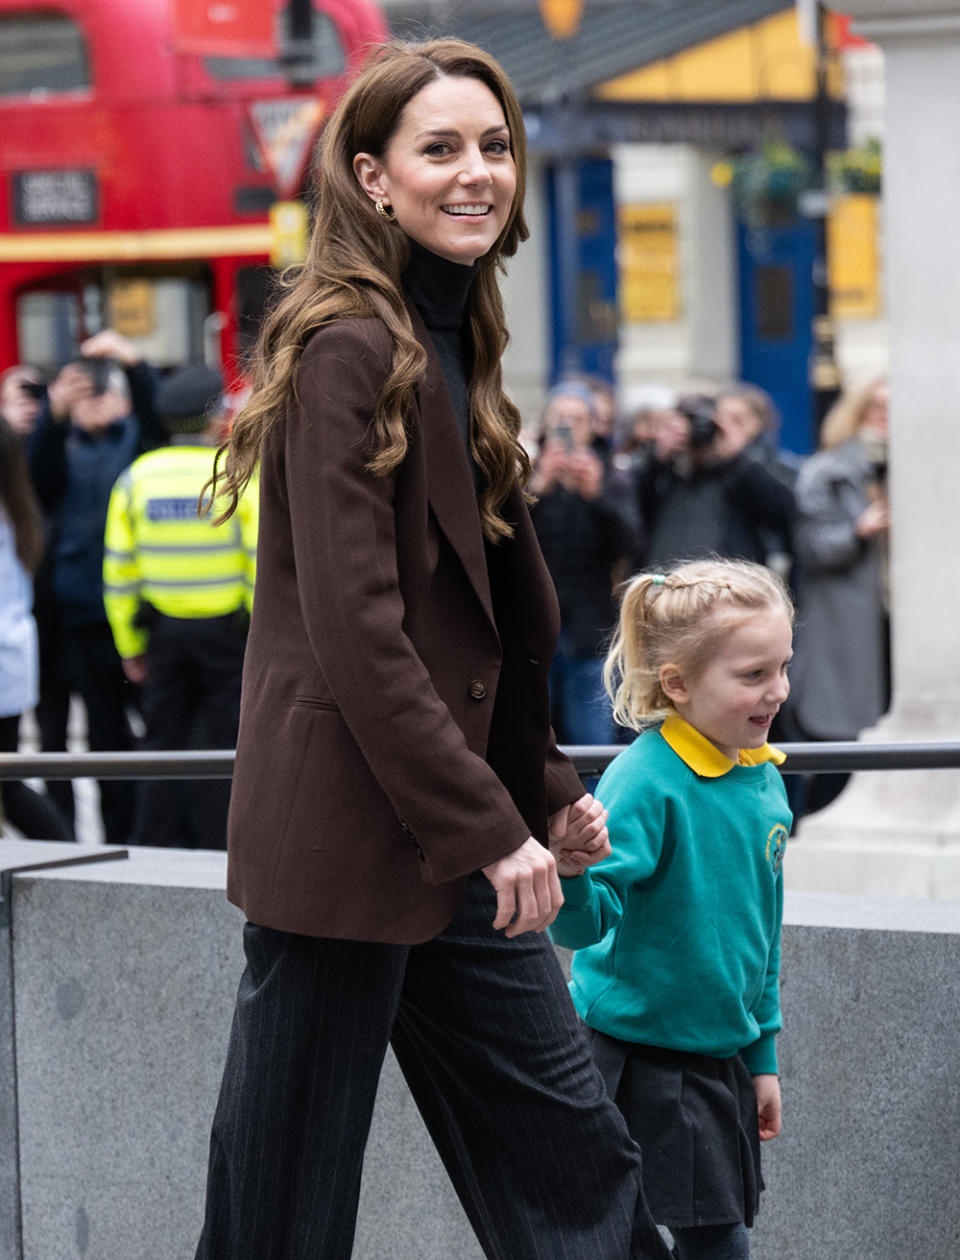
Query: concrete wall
(117, 998)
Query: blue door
(583, 268)
(776, 322)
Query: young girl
(678, 932)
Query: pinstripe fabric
(495, 1057)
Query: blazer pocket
(315, 702)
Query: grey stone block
(124, 975)
(867, 1164)
(125, 978)
(14, 855)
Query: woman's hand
(767, 1087)
(528, 889)
(874, 519)
(578, 836)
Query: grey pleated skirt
(695, 1120)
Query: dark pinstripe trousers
(493, 1053)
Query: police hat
(189, 398)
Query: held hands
(578, 836)
(528, 890)
(767, 1087)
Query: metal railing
(589, 760)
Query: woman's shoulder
(348, 337)
(832, 462)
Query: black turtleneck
(438, 289)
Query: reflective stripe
(156, 549)
(233, 580)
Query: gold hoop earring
(385, 212)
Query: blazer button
(478, 689)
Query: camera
(699, 411)
(563, 434)
(98, 370)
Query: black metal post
(824, 373)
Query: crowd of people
(120, 592)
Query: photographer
(702, 492)
(97, 419)
(585, 522)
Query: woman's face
(448, 171)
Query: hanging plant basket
(858, 170)
(767, 183)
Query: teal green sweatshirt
(678, 932)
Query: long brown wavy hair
(353, 270)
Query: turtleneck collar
(438, 287)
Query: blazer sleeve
(447, 799)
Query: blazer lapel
(450, 485)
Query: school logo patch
(776, 847)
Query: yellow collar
(705, 758)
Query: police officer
(178, 589)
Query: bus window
(162, 314)
(326, 58)
(42, 53)
(48, 327)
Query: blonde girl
(677, 933)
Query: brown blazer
(394, 731)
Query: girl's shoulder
(643, 766)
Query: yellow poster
(648, 264)
(854, 257)
(288, 233)
(130, 307)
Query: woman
(395, 767)
(841, 674)
(21, 545)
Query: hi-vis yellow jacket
(158, 551)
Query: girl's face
(735, 698)
(448, 171)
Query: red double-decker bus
(143, 146)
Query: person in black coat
(98, 418)
(702, 493)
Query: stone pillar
(898, 833)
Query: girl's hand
(578, 836)
(767, 1087)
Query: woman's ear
(672, 684)
(369, 175)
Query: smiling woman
(451, 189)
(396, 778)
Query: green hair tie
(658, 579)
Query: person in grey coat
(840, 679)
